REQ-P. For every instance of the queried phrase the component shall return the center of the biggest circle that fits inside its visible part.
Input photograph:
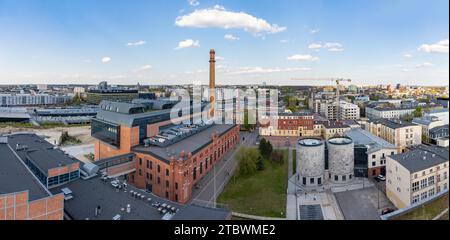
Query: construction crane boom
(338, 94)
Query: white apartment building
(388, 113)
(349, 111)
(32, 99)
(428, 123)
(416, 175)
(400, 133)
(328, 110)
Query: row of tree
(252, 160)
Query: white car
(381, 178)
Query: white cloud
(194, 2)
(219, 58)
(188, 43)
(315, 46)
(314, 31)
(138, 43)
(424, 65)
(335, 49)
(332, 47)
(284, 41)
(408, 55)
(439, 47)
(146, 67)
(106, 60)
(300, 57)
(259, 70)
(230, 37)
(219, 17)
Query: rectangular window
(415, 187)
(430, 180)
(423, 183)
(159, 168)
(167, 172)
(167, 184)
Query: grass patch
(261, 194)
(427, 211)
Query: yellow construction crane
(338, 93)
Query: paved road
(363, 204)
(217, 178)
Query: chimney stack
(212, 81)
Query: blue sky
(167, 42)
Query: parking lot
(363, 204)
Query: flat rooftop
(15, 177)
(89, 194)
(372, 142)
(191, 144)
(393, 124)
(422, 157)
(39, 151)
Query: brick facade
(16, 206)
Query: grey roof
(15, 177)
(427, 120)
(131, 120)
(190, 144)
(386, 109)
(17, 115)
(422, 157)
(334, 124)
(438, 129)
(40, 152)
(89, 194)
(119, 107)
(373, 143)
(393, 123)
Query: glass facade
(361, 157)
(106, 132)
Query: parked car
(381, 178)
(387, 210)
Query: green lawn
(261, 194)
(428, 211)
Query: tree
(248, 158)
(265, 148)
(418, 112)
(260, 164)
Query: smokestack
(212, 81)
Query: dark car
(387, 210)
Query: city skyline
(84, 42)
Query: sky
(256, 41)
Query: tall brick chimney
(212, 81)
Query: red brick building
(168, 159)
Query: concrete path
(291, 163)
(440, 214)
(79, 151)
